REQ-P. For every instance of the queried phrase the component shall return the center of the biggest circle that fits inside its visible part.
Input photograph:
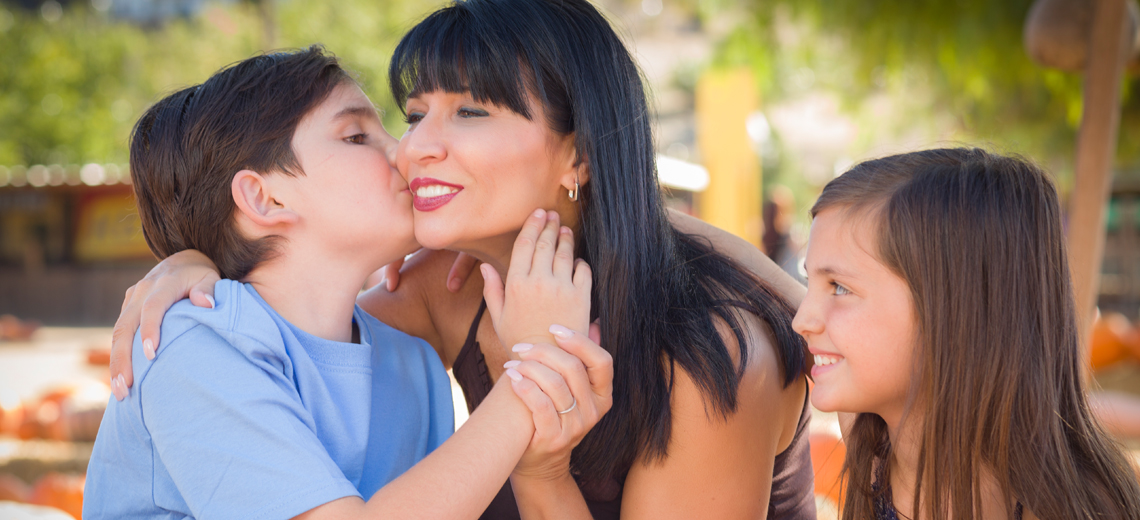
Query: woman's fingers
(523, 252)
(543, 260)
(598, 363)
(542, 409)
(460, 271)
(550, 381)
(569, 369)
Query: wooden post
(1096, 150)
(732, 199)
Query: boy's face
(350, 199)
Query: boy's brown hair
(186, 149)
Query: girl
(940, 312)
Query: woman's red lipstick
(440, 193)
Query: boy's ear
(253, 195)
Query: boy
(286, 399)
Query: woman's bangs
(453, 52)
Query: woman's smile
(430, 194)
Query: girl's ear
(253, 195)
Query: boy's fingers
(523, 252)
(392, 274)
(543, 260)
(492, 291)
(583, 277)
(460, 271)
(595, 334)
(564, 255)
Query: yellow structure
(732, 201)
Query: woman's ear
(253, 195)
(577, 173)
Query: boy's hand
(460, 271)
(544, 286)
(184, 274)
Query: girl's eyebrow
(827, 270)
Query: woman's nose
(423, 143)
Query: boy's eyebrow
(357, 111)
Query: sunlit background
(757, 104)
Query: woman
(518, 104)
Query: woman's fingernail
(561, 332)
(514, 375)
(211, 300)
(119, 387)
(539, 213)
(148, 349)
(566, 231)
(484, 270)
(522, 347)
(512, 363)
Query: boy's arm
(238, 443)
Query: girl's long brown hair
(998, 371)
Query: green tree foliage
(958, 62)
(71, 89)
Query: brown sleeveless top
(791, 497)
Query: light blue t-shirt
(243, 415)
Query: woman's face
(477, 170)
(858, 320)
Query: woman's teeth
(435, 190)
(822, 360)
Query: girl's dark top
(791, 497)
(885, 505)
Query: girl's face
(858, 320)
(476, 170)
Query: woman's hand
(576, 377)
(544, 286)
(184, 274)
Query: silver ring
(572, 407)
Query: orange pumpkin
(63, 492)
(1108, 344)
(13, 489)
(827, 454)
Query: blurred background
(757, 105)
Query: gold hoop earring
(574, 192)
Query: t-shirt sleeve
(230, 429)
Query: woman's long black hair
(657, 291)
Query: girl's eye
(471, 112)
(357, 139)
(413, 117)
(839, 290)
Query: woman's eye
(472, 112)
(357, 139)
(839, 290)
(413, 118)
